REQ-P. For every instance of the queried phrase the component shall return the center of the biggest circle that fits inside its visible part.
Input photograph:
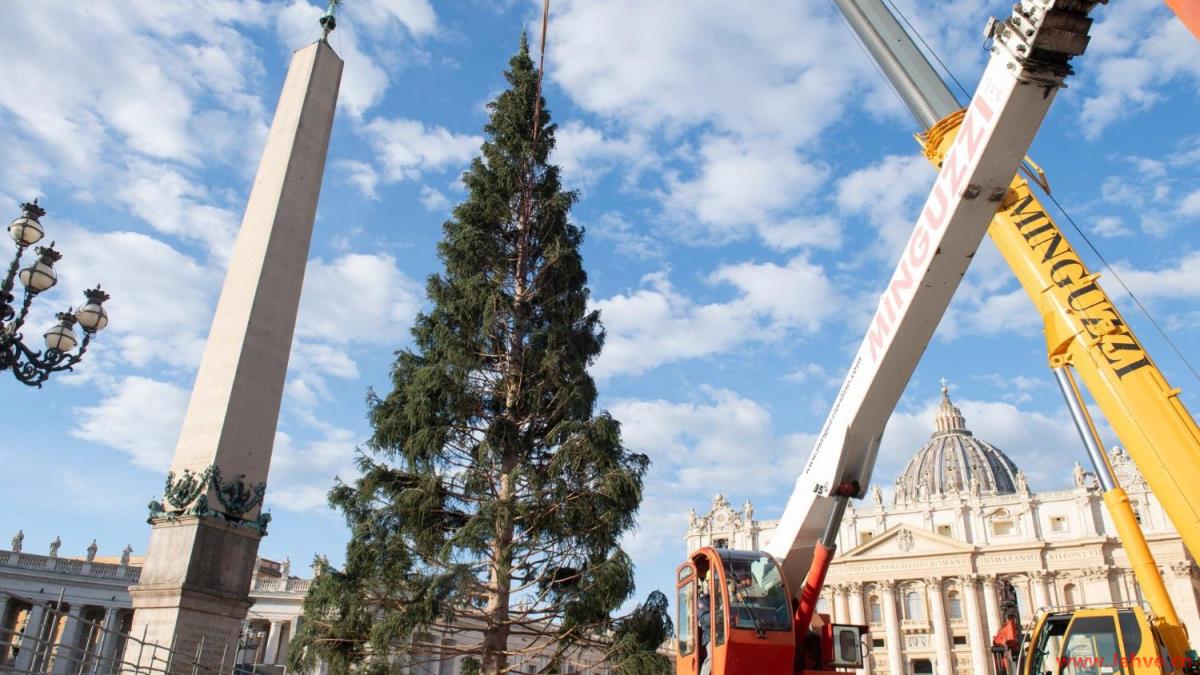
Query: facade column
(841, 604)
(269, 657)
(1041, 596)
(1096, 588)
(109, 637)
(854, 588)
(991, 608)
(980, 645)
(30, 637)
(887, 592)
(6, 635)
(1184, 595)
(941, 632)
(67, 654)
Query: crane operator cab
(736, 616)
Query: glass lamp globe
(92, 316)
(26, 231)
(62, 336)
(39, 276)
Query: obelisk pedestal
(194, 589)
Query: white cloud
(302, 472)
(415, 15)
(663, 69)
(433, 199)
(739, 185)
(1190, 205)
(585, 153)
(407, 148)
(627, 238)
(174, 205)
(807, 372)
(1137, 47)
(758, 100)
(357, 298)
(363, 80)
(361, 175)
(1110, 226)
(162, 300)
(798, 294)
(657, 324)
(129, 77)
(138, 416)
(1174, 282)
(889, 193)
(694, 441)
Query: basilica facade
(923, 569)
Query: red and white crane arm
(1030, 54)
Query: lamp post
(29, 366)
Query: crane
(1084, 333)
(978, 151)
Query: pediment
(906, 540)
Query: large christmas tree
(492, 495)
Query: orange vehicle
(737, 618)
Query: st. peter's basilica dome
(955, 461)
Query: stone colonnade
(60, 637)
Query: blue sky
(746, 181)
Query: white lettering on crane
(950, 183)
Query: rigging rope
(527, 198)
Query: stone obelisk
(205, 532)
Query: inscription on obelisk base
(194, 590)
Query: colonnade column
(854, 588)
(980, 647)
(30, 637)
(66, 655)
(841, 605)
(108, 641)
(887, 589)
(991, 608)
(1041, 595)
(937, 617)
(272, 652)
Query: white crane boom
(1030, 54)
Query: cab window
(687, 613)
(718, 610)
(1049, 640)
(757, 596)
(1091, 647)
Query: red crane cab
(736, 616)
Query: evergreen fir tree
(491, 494)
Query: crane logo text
(950, 183)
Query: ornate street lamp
(29, 366)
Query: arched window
(1002, 523)
(1070, 595)
(913, 606)
(954, 605)
(876, 609)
